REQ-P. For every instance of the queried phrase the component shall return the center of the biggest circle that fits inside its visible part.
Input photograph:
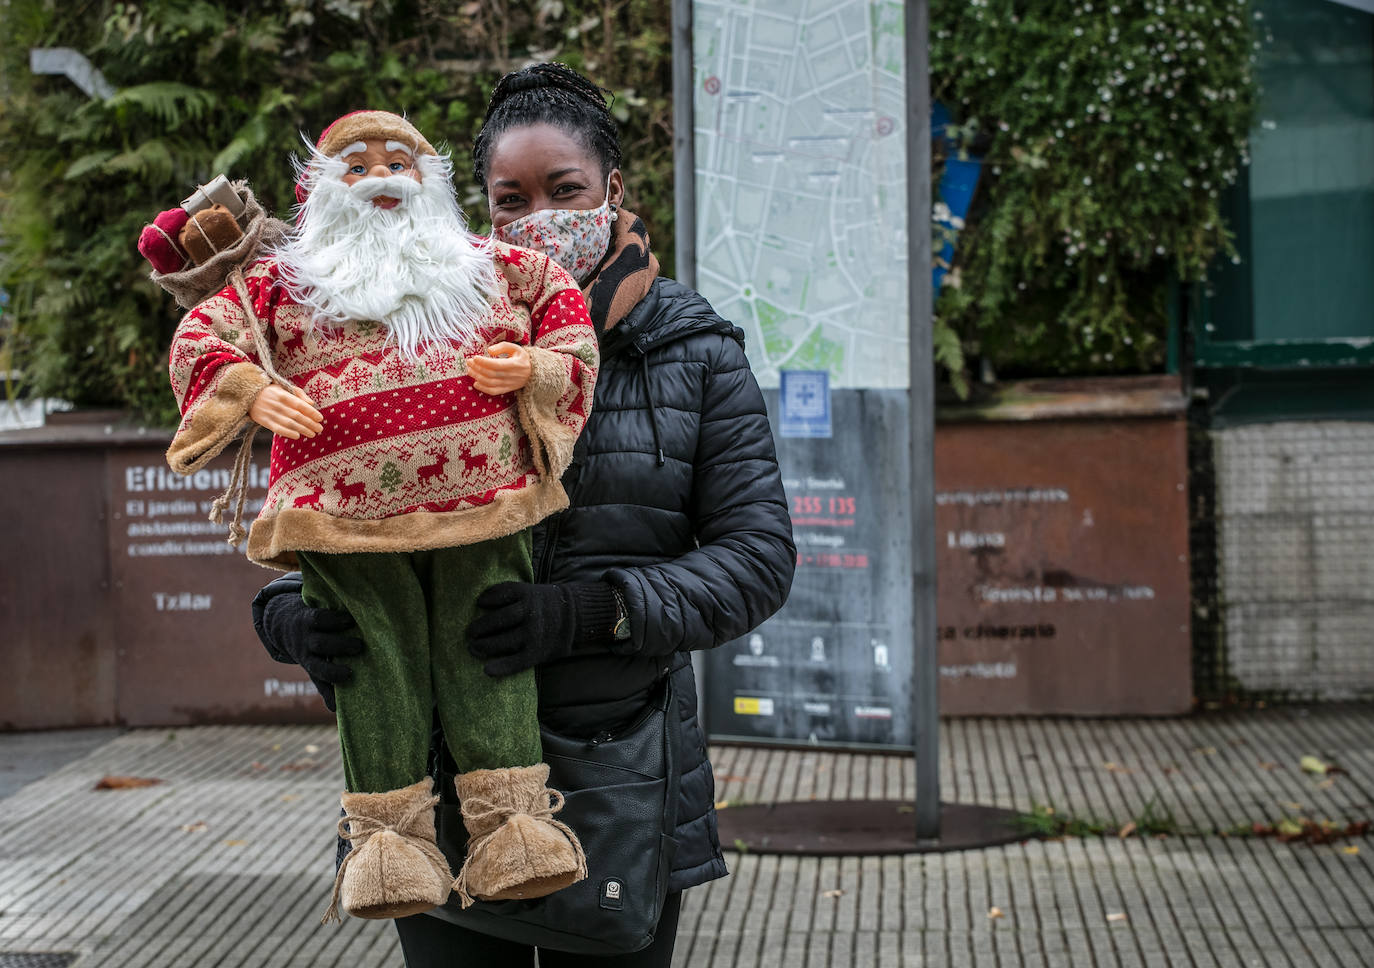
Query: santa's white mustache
(392, 186)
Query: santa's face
(374, 158)
(380, 237)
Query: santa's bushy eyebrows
(358, 147)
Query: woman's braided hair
(548, 94)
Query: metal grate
(1283, 597)
(37, 959)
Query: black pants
(434, 943)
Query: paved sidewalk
(228, 861)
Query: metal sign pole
(684, 148)
(685, 209)
(925, 677)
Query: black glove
(527, 625)
(313, 638)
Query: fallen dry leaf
(199, 827)
(994, 913)
(125, 782)
(834, 892)
(1117, 916)
(235, 843)
(300, 765)
(290, 797)
(722, 804)
(1267, 765)
(1307, 830)
(1317, 766)
(1288, 827)
(1127, 830)
(311, 748)
(1327, 784)
(1352, 850)
(732, 778)
(1311, 764)
(1115, 768)
(1205, 750)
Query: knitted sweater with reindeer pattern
(411, 456)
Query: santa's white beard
(415, 268)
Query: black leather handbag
(621, 793)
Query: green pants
(412, 610)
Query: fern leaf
(255, 132)
(232, 152)
(167, 101)
(87, 163)
(152, 159)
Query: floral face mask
(577, 239)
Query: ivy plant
(1108, 131)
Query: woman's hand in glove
(315, 639)
(526, 625)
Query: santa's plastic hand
(288, 413)
(505, 368)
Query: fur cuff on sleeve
(218, 420)
(550, 441)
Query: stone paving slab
(228, 861)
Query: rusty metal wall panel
(1063, 581)
(187, 652)
(1063, 578)
(56, 629)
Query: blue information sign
(804, 407)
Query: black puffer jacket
(676, 499)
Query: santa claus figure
(425, 388)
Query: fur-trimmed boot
(515, 847)
(395, 868)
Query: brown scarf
(625, 276)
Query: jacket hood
(669, 312)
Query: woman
(677, 537)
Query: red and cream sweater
(411, 456)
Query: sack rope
(201, 229)
(237, 491)
(479, 813)
(359, 829)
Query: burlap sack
(198, 283)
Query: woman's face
(541, 166)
